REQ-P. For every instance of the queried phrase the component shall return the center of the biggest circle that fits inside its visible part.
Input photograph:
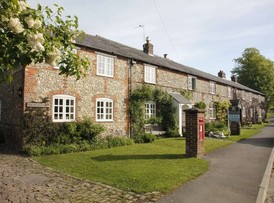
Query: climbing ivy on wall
(221, 110)
(165, 112)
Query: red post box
(195, 132)
(201, 128)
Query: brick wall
(43, 81)
(194, 143)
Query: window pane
(63, 109)
(105, 65)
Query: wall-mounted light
(20, 91)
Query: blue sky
(204, 34)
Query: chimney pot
(234, 78)
(165, 55)
(148, 47)
(221, 74)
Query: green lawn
(158, 166)
(246, 132)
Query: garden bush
(118, 141)
(216, 126)
(144, 138)
(99, 143)
(38, 129)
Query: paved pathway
(270, 191)
(235, 173)
(25, 181)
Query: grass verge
(159, 166)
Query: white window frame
(229, 92)
(65, 110)
(150, 109)
(105, 65)
(212, 87)
(104, 110)
(150, 74)
(250, 96)
(192, 82)
(212, 111)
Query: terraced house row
(103, 95)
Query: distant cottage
(103, 95)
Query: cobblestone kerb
(26, 181)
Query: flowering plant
(38, 35)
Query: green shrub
(144, 138)
(172, 133)
(87, 130)
(200, 105)
(154, 120)
(38, 129)
(118, 141)
(99, 143)
(215, 126)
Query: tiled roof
(179, 98)
(105, 45)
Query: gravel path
(25, 181)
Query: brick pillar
(195, 132)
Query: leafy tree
(38, 35)
(257, 72)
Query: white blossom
(15, 25)
(22, 6)
(54, 56)
(30, 21)
(35, 38)
(37, 24)
(38, 47)
(35, 41)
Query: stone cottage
(103, 95)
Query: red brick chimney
(148, 47)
